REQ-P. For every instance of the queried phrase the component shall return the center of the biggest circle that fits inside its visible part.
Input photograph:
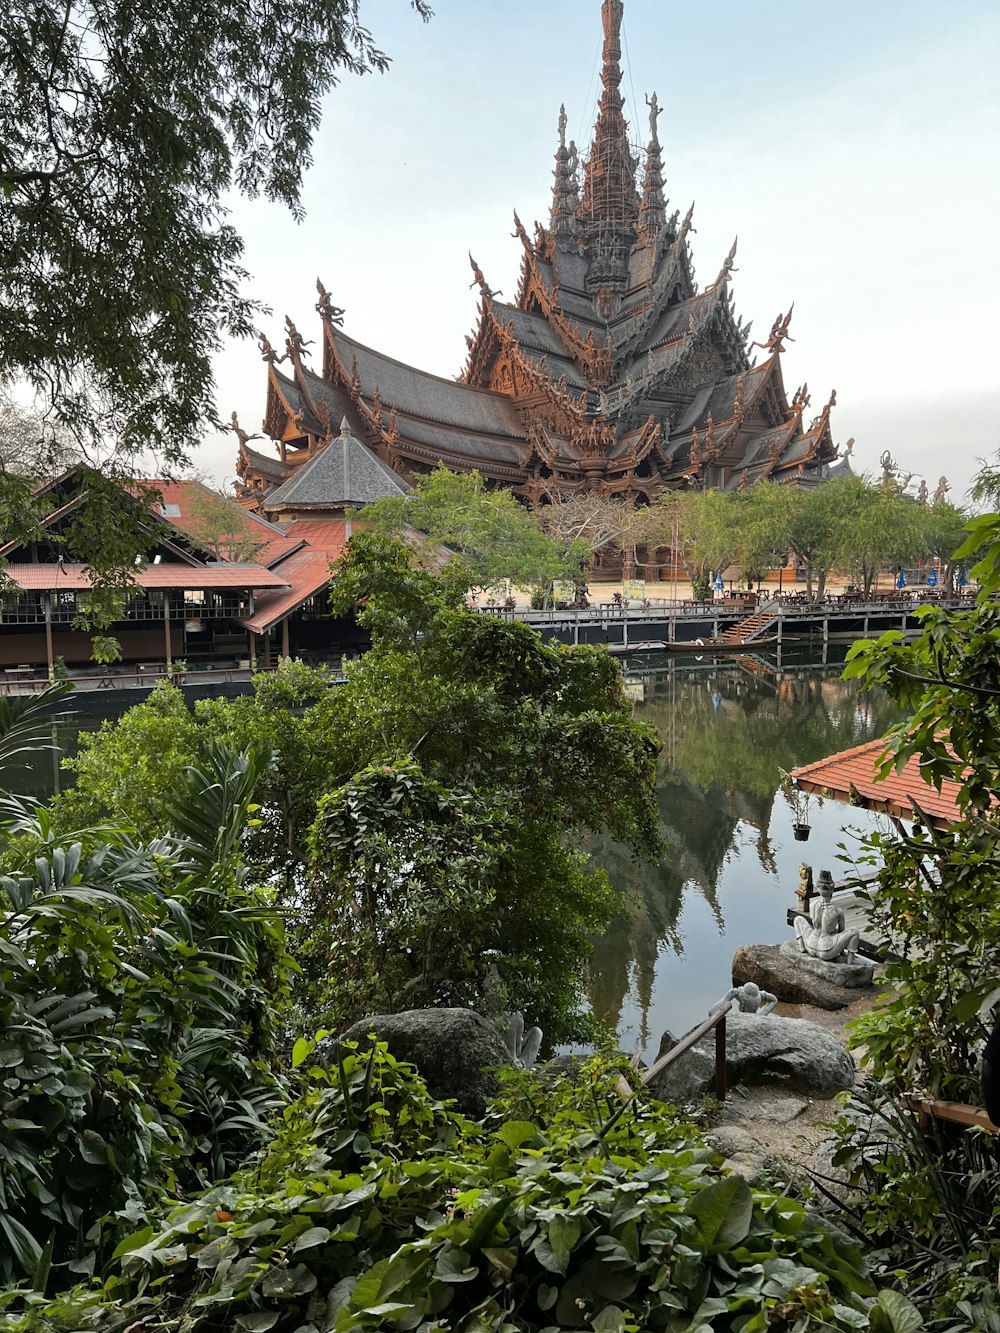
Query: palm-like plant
(26, 722)
(137, 988)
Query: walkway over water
(652, 624)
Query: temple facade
(610, 372)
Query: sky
(852, 147)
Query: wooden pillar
(720, 1061)
(253, 650)
(166, 627)
(284, 638)
(48, 635)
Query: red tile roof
(74, 577)
(836, 776)
(305, 573)
(277, 550)
(330, 536)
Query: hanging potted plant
(799, 801)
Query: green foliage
(106, 141)
(375, 1207)
(448, 786)
(26, 723)
(934, 1204)
(494, 537)
(139, 989)
(403, 867)
(105, 649)
(131, 767)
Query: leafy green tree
(535, 740)
(494, 537)
(819, 521)
(699, 524)
(944, 533)
(937, 899)
(122, 273)
(759, 523)
(883, 529)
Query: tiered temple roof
(611, 371)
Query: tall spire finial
(609, 209)
(609, 193)
(653, 209)
(565, 198)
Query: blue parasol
(719, 585)
(932, 578)
(901, 579)
(961, 580)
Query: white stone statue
(750, 999)
(825, 934)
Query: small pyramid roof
(344, 472)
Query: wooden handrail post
(720, 1059)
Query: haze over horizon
(852, 150)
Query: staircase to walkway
(753, 626)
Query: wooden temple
(611, 371)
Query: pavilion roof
(851, 775)
(66, 577)
(306, 573)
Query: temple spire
(609, 194)
(653, 209)
(609, 209)
(565, 198)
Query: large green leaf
(893, 1313)
(723, 1212)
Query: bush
(376, 1207)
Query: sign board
(563, 590)
(634, 590)
(635, 690)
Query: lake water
(731, 869)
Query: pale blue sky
(852, 147)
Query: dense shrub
(140, 986)
(375, 1207)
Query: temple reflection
(727, 728)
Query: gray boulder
(797, 981)
(852, 976)
(800, 1055)
(454, 1050)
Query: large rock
(455, 1051)
(852, 976)
(800, 1055)
(796, 980)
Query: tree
(944, 532)
(494, 537)
(881, 527)
(934, 1207)
(699, 527)
(121, 133)
(218, 523)
(464, 760)
(759, 521)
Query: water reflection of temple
(727, 729)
